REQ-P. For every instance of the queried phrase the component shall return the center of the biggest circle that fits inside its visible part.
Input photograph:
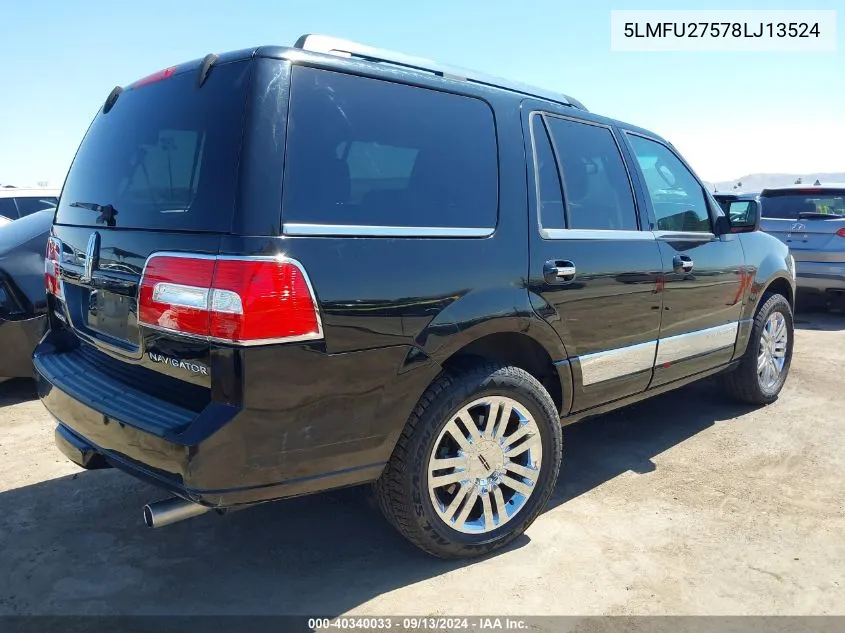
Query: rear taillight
(841, 232)
(51, 267)
(246, 300)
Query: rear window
(788, 205)
(164, 157)
(368, 152)
(26, 206)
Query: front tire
(764, 367)
(476, 462)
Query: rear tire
(473, 435)
(764, 367)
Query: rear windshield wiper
(107, 212)
(815, 215)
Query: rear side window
(368, 152)
(164, 157)
(596, 188)
(27, 206)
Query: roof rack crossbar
(336, 46)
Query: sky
(729, 113)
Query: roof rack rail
(336, 46)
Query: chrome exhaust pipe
(160, 513)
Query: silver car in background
(811, 221)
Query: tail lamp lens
(238, 300)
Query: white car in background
(18, 202)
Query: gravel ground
(683, 504)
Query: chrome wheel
(772, 355)
(485, 465)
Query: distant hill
(756, 182)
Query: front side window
(676, 196)
(596, 188)
(367, 152)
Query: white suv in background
(17, 202)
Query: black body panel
(22, 246)
(24, 304)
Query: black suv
(283, 270)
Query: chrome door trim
(595, 234)
(624, 361)
(615, 363)
(696, 343)
(355, 230)
(685, 236)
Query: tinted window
(677, 197)
(595, 185)
(165, 156)
(788, 205)
(548, 179)
(8, 208)
(368, 152)
(31, 205)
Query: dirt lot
(683, 504)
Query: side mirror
(743, 216)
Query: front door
(704, 275)
(594, 274)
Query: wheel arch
(777, 283)
(521, 350)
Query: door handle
(557, 270)
(682, 263)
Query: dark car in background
(23, 301)
(811, 221)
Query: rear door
(704, 274)
(155, 172)
(594, 274)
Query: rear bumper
(221, 456)
(820, 276)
